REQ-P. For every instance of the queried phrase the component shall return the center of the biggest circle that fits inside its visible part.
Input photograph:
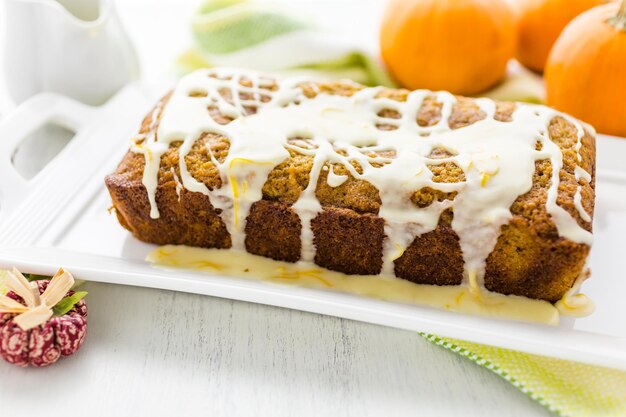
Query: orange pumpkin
(539, 24)
(586, 70)
(458, 45)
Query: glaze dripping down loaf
(365, 181)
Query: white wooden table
(157, 353)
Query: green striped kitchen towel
(265, 37)
(567, 389)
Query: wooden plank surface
(154, 353)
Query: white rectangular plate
(60, 218)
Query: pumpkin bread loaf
(530, 258)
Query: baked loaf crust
(530, 258)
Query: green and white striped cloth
(261, 36)
(568, 389)
(239, 33)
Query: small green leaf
(66, 304)
(35, 277)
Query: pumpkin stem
(619, 20)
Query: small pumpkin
(539, 24)
(462, 46)
(586, 70)
(41, 321)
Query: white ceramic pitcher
(77, 48)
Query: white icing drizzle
(580, 174)
(335, 180)
(152, 152)
(566, 225)
(579, 205)
(179, 186)
(574, 303)
(498, 158)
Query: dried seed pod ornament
(41, 321)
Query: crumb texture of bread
(530, 258)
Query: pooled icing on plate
(457, 298)
(497, 158)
